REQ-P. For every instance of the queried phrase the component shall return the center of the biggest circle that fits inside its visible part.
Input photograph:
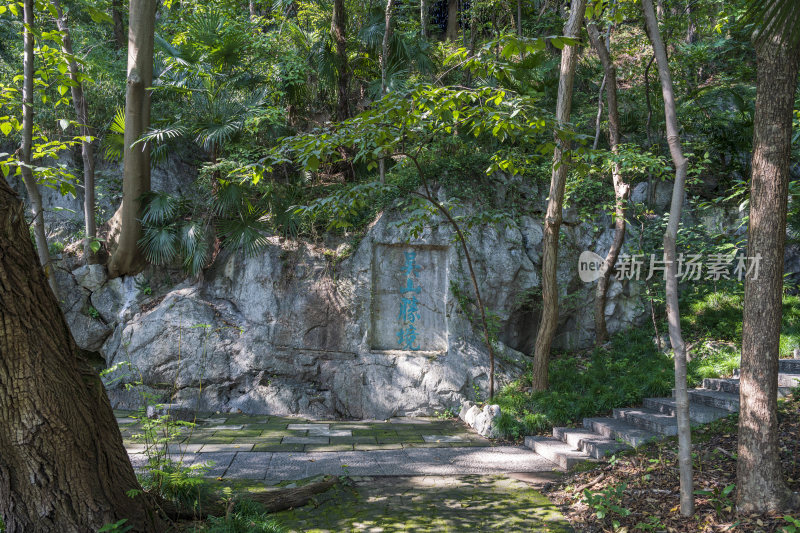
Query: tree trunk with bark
(424, 18)
(31, 187)
(760, 486)
(338, 29)
(621, 189)
(670, 256)
(387, 37)
(127, 258)
(119, 26)
(87, 150)
(63, 467)
(451, 33)
(552, 221)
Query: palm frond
(247, 232)
(114, 141)
(229, 199)
(194, 246)
(159, 244)
(159, 208)
(775, 18)
(162, 134)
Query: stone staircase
(653, 420)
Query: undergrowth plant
(607, 502)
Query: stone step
(614, 428)
(785, 366)
(721, 384)
(789, 380)
(557, 451)
(731, 385)
(698, 413)
(649, 419)
(597, 446)
(713, 398)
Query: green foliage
(623, 374)
(247, 517)
(175, 482)
(717, 316)
(720, 498)
(447, 414)
(653, 523)
(608, 502)
(55, 247)
(794, 525)
(116, 527)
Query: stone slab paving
(274, 449)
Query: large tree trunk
(424, 18)
(621, 189)
(127, 259)
(552, 221)
(451, 33)
(119, 26)
(338, 28)
(759, 481)
(670, 255)
(63, 467)
(34, 196)
(87, 151)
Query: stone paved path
(431, 503)
(274, 449)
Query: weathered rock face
(383, 332)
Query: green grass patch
(587, 385)
(631, 368)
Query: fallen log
(273, 501)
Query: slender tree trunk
(651, 193)
(119, 26)
(63, 467)
(552, 221)
(387, 37)
(759, 482)
(519, 18)
(34, 196)
(424, 18)
(670, 255)
(451, 34)
(691, 25)
(338, 29)
(87, 151)
(473, 38)
(127, 258)
(599, 118)
(251, 6)
(621, 189)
